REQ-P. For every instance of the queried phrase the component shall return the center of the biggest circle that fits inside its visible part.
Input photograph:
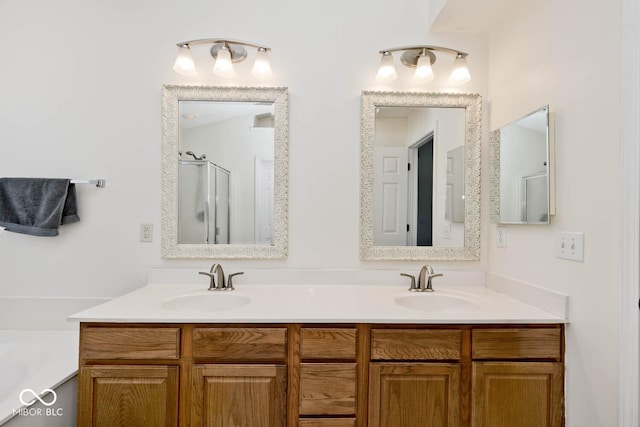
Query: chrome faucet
(217, 280)
(425, 278)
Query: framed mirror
(420, 176)
(521, 170)
(224, 172)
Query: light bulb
(460, 73)
(223, 65)
(387, 71)
(424, 72)
(261, 66)
(184, 62)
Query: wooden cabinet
(298, 375)
(327, 422)
(328, 389)
(123, 395)
(424, 391)
(328, 376)
(414, 394)
(517, 392)
(238, 395)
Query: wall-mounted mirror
(420, 176)
(521, 170)
(225, 172)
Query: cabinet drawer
(130, 343)
(327, 388)
(517, 343)
(415, 344)
(265, 344)
(327, 422)
(328, 343)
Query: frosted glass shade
(184, 62)
(424, 72)
(460, 73)
(387, 70)
(261, 66)
(223, 66)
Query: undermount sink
(437, 303)
(209, 301)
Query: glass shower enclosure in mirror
(224, 172)
(420, 176)
(521, 170)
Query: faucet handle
(430, 278)
(413, 281)
(212, 282)
(230, 280)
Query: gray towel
(37, 206)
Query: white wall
(567, 54)
(81, 98)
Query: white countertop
(308, 303)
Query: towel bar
(100, 183)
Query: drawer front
(328, 343)
(327, 388)
(415, 344)
(517, 343)
(327, 422)
(264, 344)
(130, 343)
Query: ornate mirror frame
(473, 131)
(171, 95)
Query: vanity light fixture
(225, 52)
(422, 58)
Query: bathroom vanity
(324, 356)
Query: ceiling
(200, 113)
(470, 16)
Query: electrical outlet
(570, 246)
(501, 237)
(146, 232)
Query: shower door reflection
(203, 203)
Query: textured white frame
(472, 103)
(171, 95)
(494, 176)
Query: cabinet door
(327, 422)
(239, 395)
(414, 394)
(517, 394)
(140, 396)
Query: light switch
(570, 246)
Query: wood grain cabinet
(522, 394)
(414, 394)
(410, 384)
(127, 395)
(327, 376)
(233, 395)
(299, 375)
(520, 381)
